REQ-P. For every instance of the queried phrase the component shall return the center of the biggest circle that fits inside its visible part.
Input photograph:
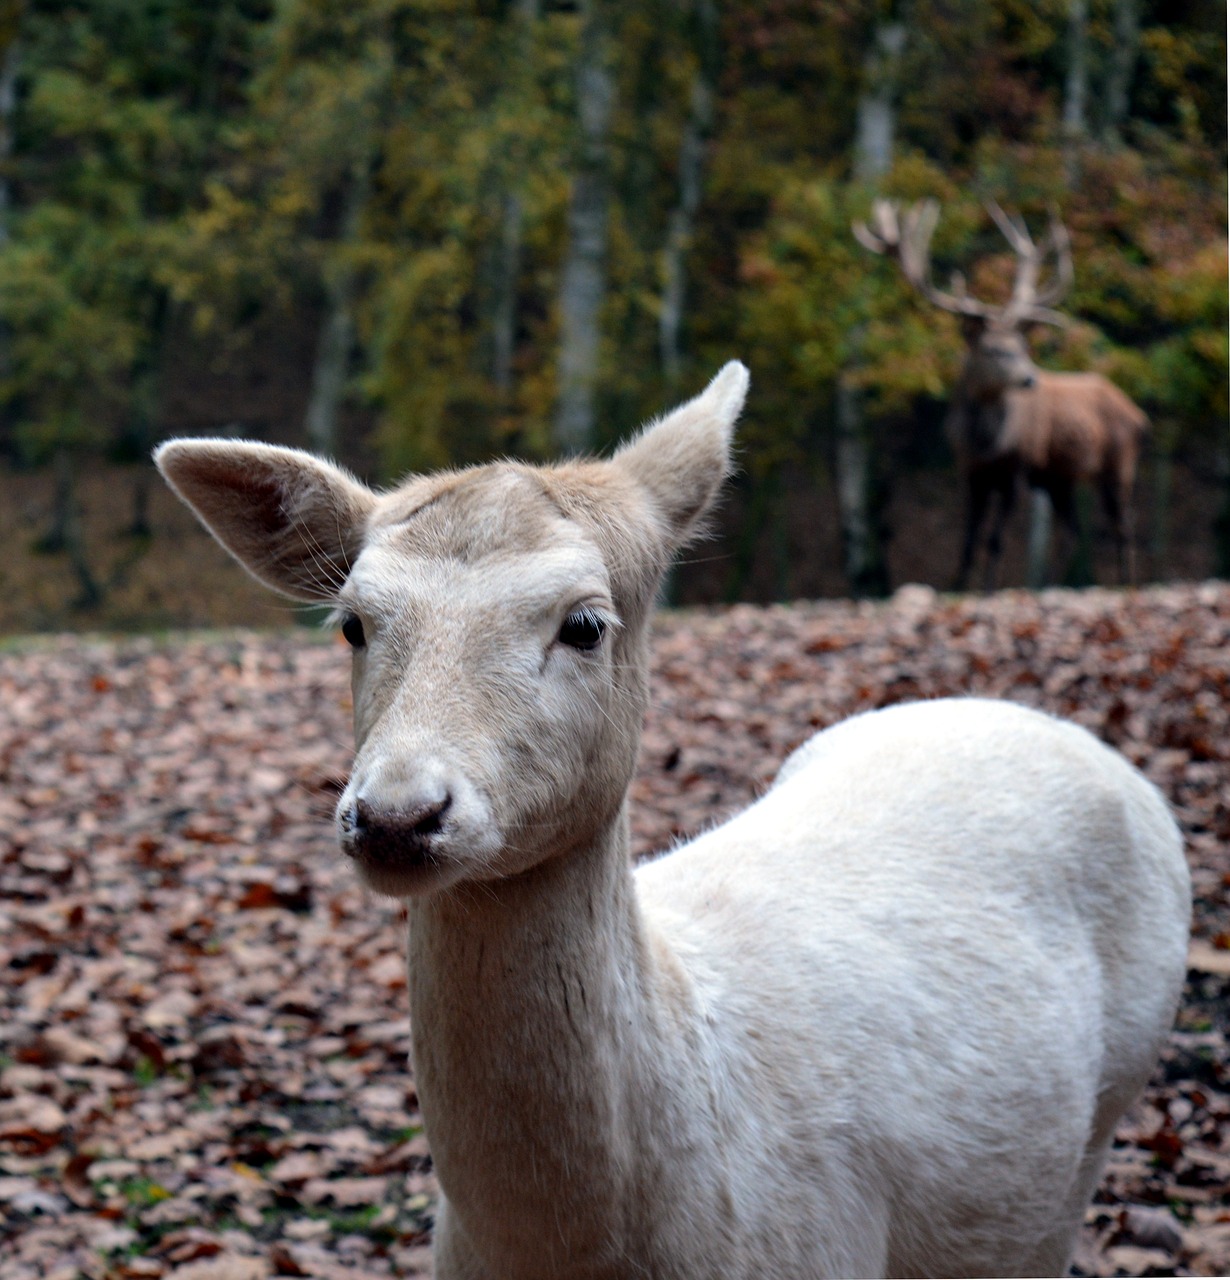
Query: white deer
(883, 1022)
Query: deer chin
(407, 879)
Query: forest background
(417, 234)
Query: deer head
(498, 621)
(999, 358)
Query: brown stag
(1008, 418)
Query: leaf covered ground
(204, 1031)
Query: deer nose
(1029, 379)
(370, 827)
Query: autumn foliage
(348, 226)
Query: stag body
(880, 1023)
(1008, 419)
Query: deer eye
(352, 631)
(582, 629)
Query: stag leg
(978, 493)
(1005, 487)
(1063, 500)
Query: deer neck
(979, 414)
(526, 996)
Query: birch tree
(509, 241)
(333, 107)
(1124, 52)
(1076, 81)
(862, 548)
(696, 132)
(583, 280)
(337, 328)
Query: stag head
(999, 357)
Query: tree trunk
(329, 371)
(1037, 567)
(1123, 54)
(862, 547)
(142, 427)
(55, 537)
(877, 104)
(504, 301)
(144, 410)
(696, 133)
(583, 282)
(336, 340)
(1076, 87)
(507, 266)
(142, 434)
(65, 534)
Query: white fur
(970, 961)
(881, 1023)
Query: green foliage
(111, 143)
(221, 171)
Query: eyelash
(583, 629)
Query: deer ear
(682, 459)
(293, 521)
(972, 328)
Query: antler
(905, 234)
(1029, 302)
